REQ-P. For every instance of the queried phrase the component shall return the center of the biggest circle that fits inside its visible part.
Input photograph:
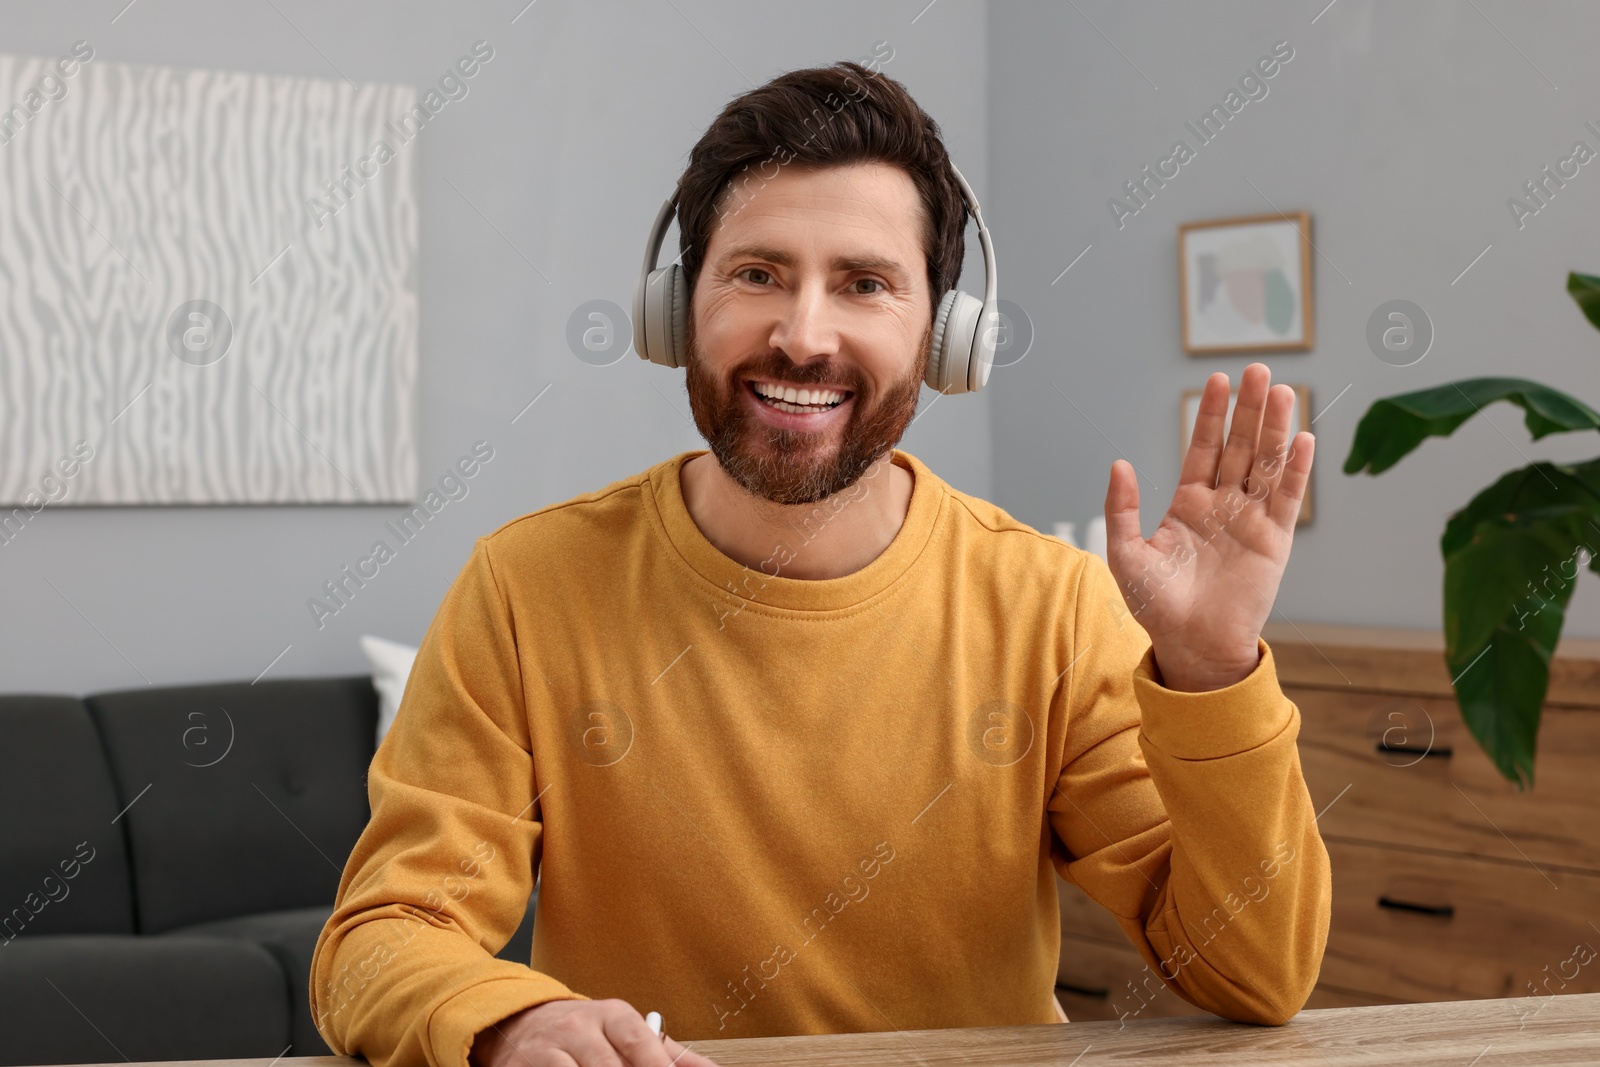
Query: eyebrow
(883, 264)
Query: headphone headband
(961, 354)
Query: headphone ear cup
(678, 318)
(664, 316)
(934, 375)
(955, 330)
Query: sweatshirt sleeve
(404, 971)
(1186, 816)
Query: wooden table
(1463, 1033)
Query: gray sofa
(170, 857)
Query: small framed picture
(1299, 419)
(1245, 284)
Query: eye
(762, 277)
(869, 281)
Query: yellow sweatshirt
(764, 805)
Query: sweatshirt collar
(764, 588)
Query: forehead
(859, 208)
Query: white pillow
(391, 666)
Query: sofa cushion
(520, 948)
(256, 796)
(391, 668)
(290, 936)
(97, 998)
(66, 864)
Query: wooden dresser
(1448, 884)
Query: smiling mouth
(798, 400)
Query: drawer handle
(1095, 994)
(1445, 911)
(1443, 751)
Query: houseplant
(1511, 555)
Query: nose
(806, 328)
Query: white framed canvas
(210, 288)
(1245, 284)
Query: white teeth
(784, 405)
(792, 395)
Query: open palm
(1203, 584)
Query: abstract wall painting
(1246, 284)
(177, 300)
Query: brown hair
(822, 116)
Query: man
(797, 735)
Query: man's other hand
(588, 1033)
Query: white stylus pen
(653, 1021)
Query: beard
(791, 467)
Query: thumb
(1122, 513)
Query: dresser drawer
(1318, 655)
(1102, 976)
(1327, 996)
(1083, 1009)
(1422, 927)
(1082, 917)
(1093, 1006)
(1100, 970)
(1102, 980)
(1416, 777)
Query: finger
(1284, 505)
(1122, 512)
(682, 1056)
(1272, 448)
(592, 1048)
(588, 1037)
(632, 1039)
(1205, 442)
(1240, 450)
(544, 1055)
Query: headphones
(961, 352)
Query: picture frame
(1299, 418)
(1245, 284)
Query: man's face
(816, 281)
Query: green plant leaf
(1542, 490)
(1585, 289)
(1511, 555)
(1395, 425)
(1506, 589)
(1500, 690)
(1511, 561)
(1508, 583)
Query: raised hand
(1203, 584)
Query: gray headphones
(958, 363)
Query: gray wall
(1403, 129)
(567, 143)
